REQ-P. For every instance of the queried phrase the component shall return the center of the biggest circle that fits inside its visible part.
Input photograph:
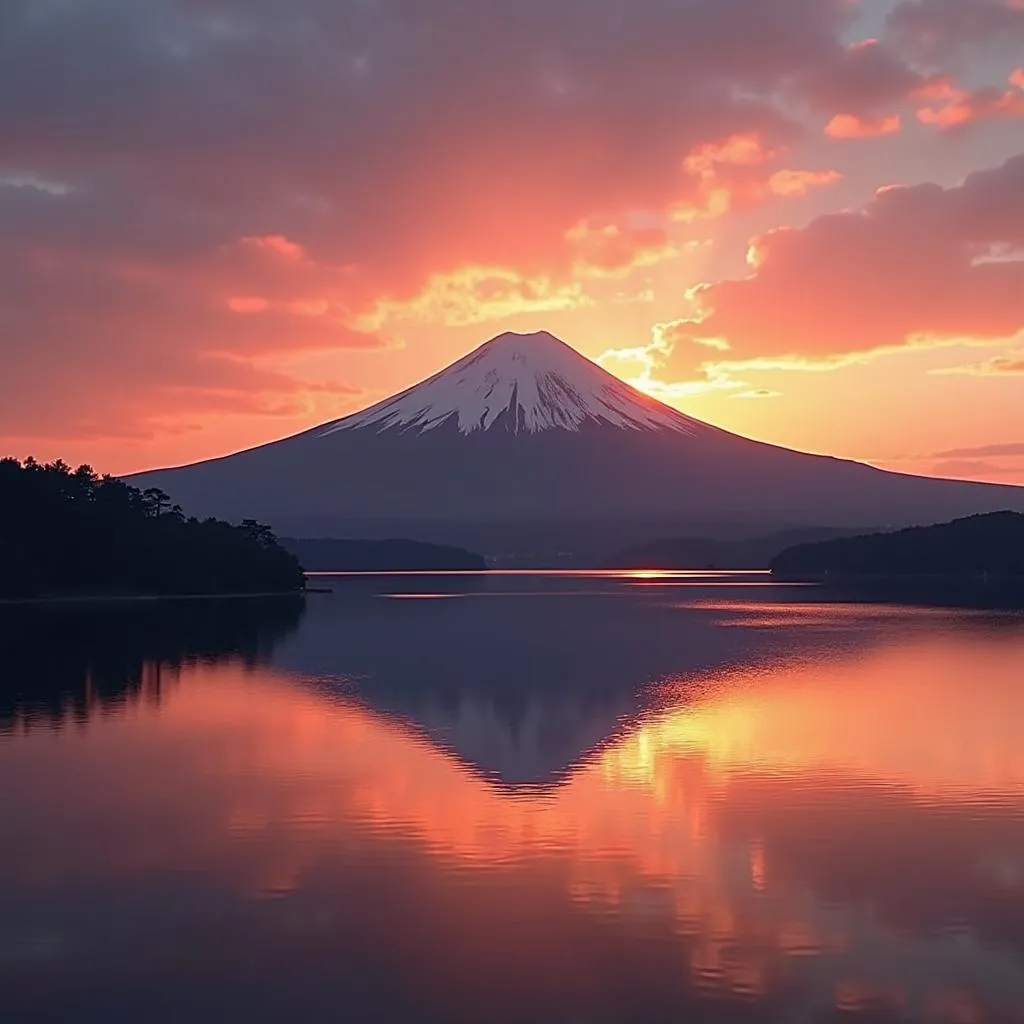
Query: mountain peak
(521, 383)
(535, 342)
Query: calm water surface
(521, 798)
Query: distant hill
(715, 553)
(990, 544)
(326, 554)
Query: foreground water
(520, 798)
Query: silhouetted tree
(156, 501)
(64, 530)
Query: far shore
(134, 598)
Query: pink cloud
(608, 250)
(957, 108)
(918, 262)
(971, 469)
(320, 163)
(857, 126)
(739, 172)
(322, 166)
(136, 343)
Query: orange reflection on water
(706, 817)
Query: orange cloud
(798, 183)
(732, 174)
(613, 251)
(680, 332)
(163, 344)
(475, 294)
(331, 189)
(918, 265)
(741, 150)
(1011, 365)
(644, 366)
(966, 107)
(861, 126)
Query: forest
(990, 544)
(70, 532)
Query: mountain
(526, 448)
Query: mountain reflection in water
(818, 813)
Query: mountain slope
(526, 434)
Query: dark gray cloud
(940, 30)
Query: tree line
(990, 544)
(71, 531)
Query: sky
(225, 221)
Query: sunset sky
(224, 221)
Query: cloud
(938, 30)
(860, 126)
(974, 463)
(957, 108)
(475, 294)
(865, 76)
(673, 365)
(739, 172)
(1011, 365)
(966, 469)
(798, 183)
(241, 180)
(983, 451)
(917, 265)
(250, 179)
(107, 342)
(609, 250)
(758, 393)
(666, 336)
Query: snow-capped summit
(520, 383)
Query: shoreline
(149, 598)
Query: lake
(515, 797)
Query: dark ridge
(719, 553)
(326, 554)
(991, 544)
(974, 562)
